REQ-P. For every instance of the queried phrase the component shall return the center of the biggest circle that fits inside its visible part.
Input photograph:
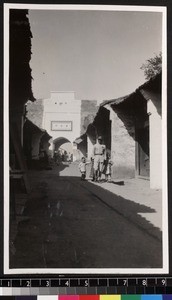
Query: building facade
(131, 127)
(62, 119)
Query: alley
(71, 224)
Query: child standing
(82, 168)
(108, 168)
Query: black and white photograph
(85, 139)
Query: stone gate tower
(62, 118)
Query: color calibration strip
(90, 297)
(90, 293)
(86, 287)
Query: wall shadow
(58, 209)
(126, 208)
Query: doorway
(142, 149)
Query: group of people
(100, 163)
(62, 156)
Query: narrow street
(71, 225)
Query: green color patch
(131, 297)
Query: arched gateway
(62, 119)
(63, 147)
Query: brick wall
(89, 109)
(35, 112)
(123, 144)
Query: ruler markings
(149, 283)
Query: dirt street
(71, 225)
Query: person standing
(108, 168)
(92, 173)
(99, 156)
(82, 168)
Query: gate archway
(63, 146)
(58, 142)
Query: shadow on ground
(126, 208)
(76, 224)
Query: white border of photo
(165, 268)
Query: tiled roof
(116, 101)
(80, 138)
(34, 128)
(153, 82)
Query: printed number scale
(149, 285)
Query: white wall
(62, 95)
(62, 106)
(155, 146)
(89, 147)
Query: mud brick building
(89, 109)
(131, 127)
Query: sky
(97, 54)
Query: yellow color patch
(110, 297)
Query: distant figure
(55, 156)
(99, 156)
(65, 156)
(108, 167)
(71, 157)
(82, 168)
(92, 173)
